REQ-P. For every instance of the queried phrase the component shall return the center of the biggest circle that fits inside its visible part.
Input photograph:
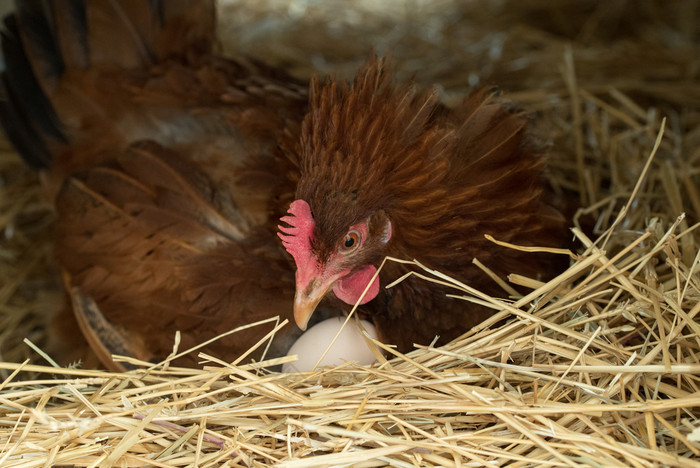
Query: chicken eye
(350, 242)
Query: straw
(599, 366)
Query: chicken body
(386, 170)
(163, 162)
(171, 168)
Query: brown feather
(170, 167)
(148, 252)
(443, 178)
(168, 184)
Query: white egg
(350, 345)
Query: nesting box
(599, 366)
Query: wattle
(350, 288)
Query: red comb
(297, 237)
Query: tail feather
(70, 25)
(135, 33)
(45, 38)
(22, 134)
(25, 111)
(134, 22)
(35, 32)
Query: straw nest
(600, 366)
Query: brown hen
(172, 166)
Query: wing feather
(145, 249)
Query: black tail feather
(38, 37)
(71, 32)
(43, 38)
(26, 113)
(22, 134)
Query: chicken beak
(307, 299)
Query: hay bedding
(600, 366)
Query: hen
(171, 168)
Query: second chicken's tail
(44, 40)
